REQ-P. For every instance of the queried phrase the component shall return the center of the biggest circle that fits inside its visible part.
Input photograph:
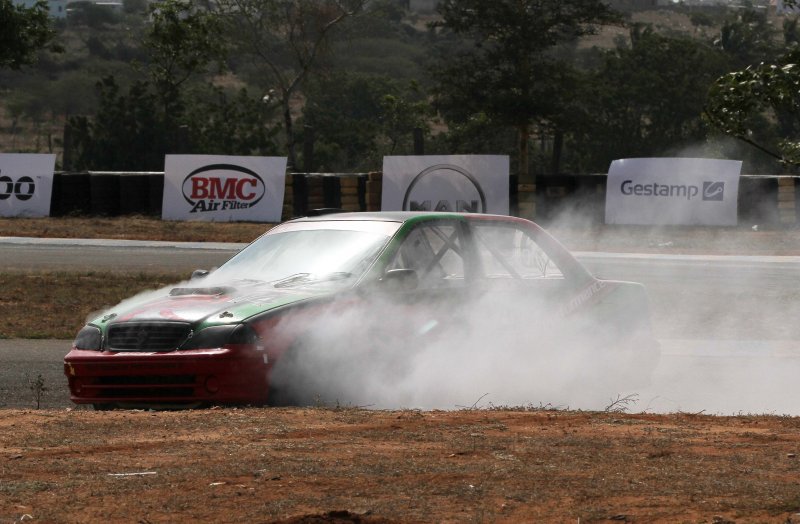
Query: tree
(740, 102)
(357, 119)
(289, 38)
(173, 110)
(23, 31)
(511, 74)
(748, 38)
(646, 99)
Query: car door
(516, 274)
(430, 303)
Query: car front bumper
(223, 375)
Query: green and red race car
(320, 309)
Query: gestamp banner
(223, 188)
(26, 184)
(460, 183)
(673, 191)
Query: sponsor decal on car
(587, 294)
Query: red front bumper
(229, 375)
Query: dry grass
(131, 228)
(260, 465)
(49, 304)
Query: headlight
(89, 338)
(218, 336)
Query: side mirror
(198, 273)
(400, 279)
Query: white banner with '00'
(26, 184)
(673, 191)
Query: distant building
(782, 9)
(422, 6)
(632, 4)
(58, 8)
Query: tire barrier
(71, 194)
(758, 200)
(105, 191)
(134, 194)
(763, 200)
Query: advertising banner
(460, 183)
(223, 188)
(673, 191)
(26, 184)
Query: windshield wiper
(287, 281)
(308, 278)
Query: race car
(321, 307)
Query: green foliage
(289, 41)
(23, 31)
(645, 100)
(181, 42)
(510, 74)
(226, 123)
(133, 131)
(747, 38)
(475, 135)
(124, 134)
(740, 102)
(359, 118)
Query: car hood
(204, 306)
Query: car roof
(387, 216)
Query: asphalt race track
(727, 325)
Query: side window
(434, 252)
(507, 252)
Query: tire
(288, 376)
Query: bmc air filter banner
(673, 191)
(223, 188)
(460, 183)
(26, 184)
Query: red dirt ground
(351, 465)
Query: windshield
(308, 254)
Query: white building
(782, 9)
(58, 8)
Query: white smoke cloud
(488, 351)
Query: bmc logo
(23, 188)
(222, 187)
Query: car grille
(163, 386)
(147, 336)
